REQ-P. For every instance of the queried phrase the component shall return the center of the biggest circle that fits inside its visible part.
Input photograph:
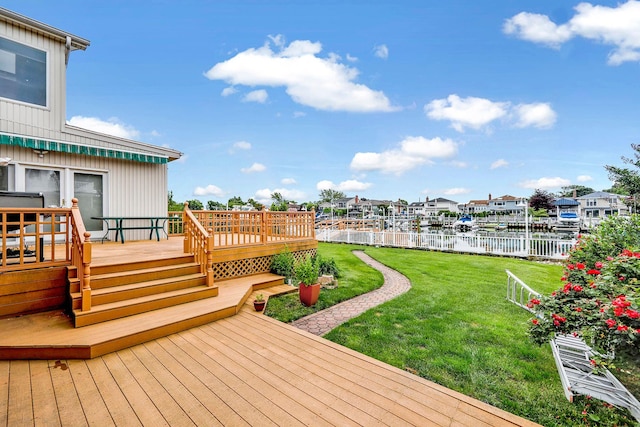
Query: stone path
(323, 321)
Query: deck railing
(81, 254)
(238, 228)
(199, 242)
(34, 237)
(543, 248)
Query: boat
(568, 222)
(465, 223)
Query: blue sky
(383, 99)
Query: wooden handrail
(81, 254)
(199, 242)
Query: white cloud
(617, 26)
(344, 186)
(381, 51)
(459, 164)
(256, 167)
(476, 113)
(297, 114)
(228, 91)
(242, 145)
(351, 58)
(468, 112)
(537, 28)
(264, 195)
(539, 115)
(259, 96)
(545, 183)
(500, 163)
(209, 190)
(288, 181)
(412, 152)
(584, 178)
(112, 126)
(456, 191)
(321, 83)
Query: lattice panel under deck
(248, 266)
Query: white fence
(542, 248)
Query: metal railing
(517, 246)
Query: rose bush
(598, 300)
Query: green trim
(71, 148)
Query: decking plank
(326, 388)
(201, 353)
(69, 407)
(359, 372)
(19, 407)
(254, 393)
(229, 410)
(120, 410)
(4, 392)
(94, 407)
(192, 407)
(163, 401)
(141, 404)
(284, 394)
(45, 410)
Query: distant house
(42, 153)
(432, 207)
(601, 204)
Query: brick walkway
(323, 321)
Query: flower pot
(309, 294)
(259, 305)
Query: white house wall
(27, 119)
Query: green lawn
(456, 328)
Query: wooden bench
(117, 224)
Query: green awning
(71, 148)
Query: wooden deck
(244, 370)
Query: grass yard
(455, 327)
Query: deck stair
(125, 289)
(572, 357)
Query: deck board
(244, 370)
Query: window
(591, 202)
(23, 73)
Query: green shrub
(326, 266)
(306, 272)
(282, 264)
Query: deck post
(263, 228)
(86, 272)
(210, 257)
(186, 229)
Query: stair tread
(148, 283)
(143, 299)
(104, 276)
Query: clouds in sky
(381, 51)
(323, 83)
(478, 113)
(344, 186)
(411, 152)
(614, 26)
(545, 183)
(256, 167)
(500, 163)
(112, 126)
(209, 190)
(260, 96)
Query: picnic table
(118, 224)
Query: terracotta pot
(259, 305)
(309, 294)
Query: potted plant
(259, 302)
(307, 274)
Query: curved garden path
(323, 321)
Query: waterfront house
(600, 204)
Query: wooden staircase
(125, 289)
